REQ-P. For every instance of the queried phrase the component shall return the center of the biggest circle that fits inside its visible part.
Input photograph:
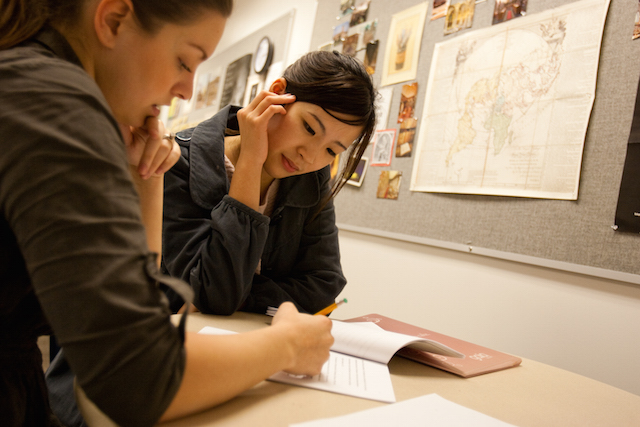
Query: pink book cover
(478, 360)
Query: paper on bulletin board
(507, 107)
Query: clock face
(263, 55)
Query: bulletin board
(573, 235)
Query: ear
(279, 86)
(108, 19)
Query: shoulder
(44, 95)
(204, 147)
(36, 71)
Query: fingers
(150, 150)
(311, 339)
(266, 105)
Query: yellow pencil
(332, 307)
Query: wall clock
(263, 56)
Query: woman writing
(81, 167)
(248, 216)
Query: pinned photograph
(340, 31)
(235, 81)
(347, 6)
(360, 13)
(508, 9)
(408, 101)
(439, 9)
(403, 45)
(358, 175)
(459, 16)
(406, 135)
(371, 57)
(254, 85)
(327, 47)
(369, 33)
(383, 147)
(207, 88)
(383, 104)
(389, 185)
(350, 45)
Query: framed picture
(403, 45)
(383, 147)
(358, 176)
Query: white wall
(583, 324)
(249, 15)
(580, 323)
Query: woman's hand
(253, 121)
(149, 152)
(309, 339)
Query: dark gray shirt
(73, 252)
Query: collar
(206, 158)
(55, 42)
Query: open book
(479, 360)
(357, 364)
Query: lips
(289, 166)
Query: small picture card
(350, 45)
(358, 175)
(371, 56)
(408, 101)
(383, 104)
(360, 13)
(347, 6)
(340, 31)
(459, 16)
(383, 147)
(508, 9)
(407, 134)
(389, 185)
(439, 9)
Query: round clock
(263, 56)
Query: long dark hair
(21, 19)
(338, 83)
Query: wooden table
(533, 394)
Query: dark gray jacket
(215, 242)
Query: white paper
(348, 375)
(507, 107)
(210, 330)
(430, 410)
(341, 374)
(380, 345)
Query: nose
(183, 89)
(308, 152)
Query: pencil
(332, 307)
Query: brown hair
(337, 83)
(21, 19)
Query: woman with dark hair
(81, 182)
(248, 214)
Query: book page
(429, 410)
(341, 374)
(380, 345)
(348, 375)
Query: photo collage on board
(355, 34)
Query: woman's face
(141, 72)
(306, 139)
